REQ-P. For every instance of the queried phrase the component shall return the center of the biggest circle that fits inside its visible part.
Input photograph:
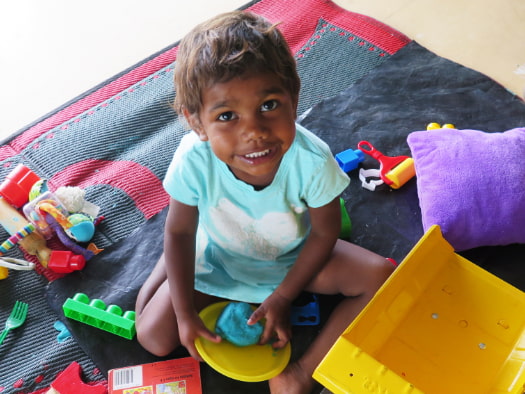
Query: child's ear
(195, 124)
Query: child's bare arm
(179, 242)
(179, 249)
(326, 225)
(325, 229)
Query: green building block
(346, 223)
(96, 314)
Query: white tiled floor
(51, 51)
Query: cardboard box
(178, 376)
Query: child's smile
(249, 122)
(260, 157)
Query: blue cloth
(247, 239)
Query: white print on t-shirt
(263, 239)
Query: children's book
(178, 376)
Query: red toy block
(65, 262)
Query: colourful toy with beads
(78, 226)
(37, 209)
(47, 215)
(96, 314)
(15, 238)
(14, 192)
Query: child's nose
(255, 129)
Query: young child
(254, 213)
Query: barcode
(127, 377)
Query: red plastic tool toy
(394, 171)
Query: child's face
(250, 124)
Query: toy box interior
(361, 80)
(440, 324)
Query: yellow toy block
(440, 324)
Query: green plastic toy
(96, 314)
(346, 223)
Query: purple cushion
(471, 184)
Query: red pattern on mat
(295, 27)
(139, 183)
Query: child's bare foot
(293, 380)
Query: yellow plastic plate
(250, 363)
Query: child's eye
(269, 105)
(225, 116)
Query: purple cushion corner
(470, 183)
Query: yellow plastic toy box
(440, 324)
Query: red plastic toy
(394, 171)
(65, 262)
(68, 382)
(17, 184)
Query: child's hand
(276, 310)
(192, 327)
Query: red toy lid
(17, 185)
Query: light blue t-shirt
(247, 240)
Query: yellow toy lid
(250, 363)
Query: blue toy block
(306, 314)
(349, 159)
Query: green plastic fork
(16, 319)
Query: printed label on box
(178, 376)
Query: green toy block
(96, 314)
(346, 223)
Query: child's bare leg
(155, 279)
(156, 323)
(353, 272)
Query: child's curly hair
(228, 46)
